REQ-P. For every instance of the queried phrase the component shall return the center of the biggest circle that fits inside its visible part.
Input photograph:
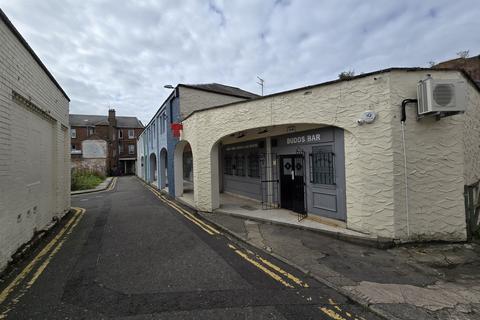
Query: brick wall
(469, 65)
(34, 147)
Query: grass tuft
(85, 179)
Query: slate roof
(82, 120)
(222, 89)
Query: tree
(346, 75)
(463, 54)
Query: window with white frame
(73, 133)
(131, 134)
(131, 149)
(91, 130)
(120, 134)
(120, 148)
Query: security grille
(269, 180)
(322, 167)
(304, 214)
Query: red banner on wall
(176, 128)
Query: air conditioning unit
(437, 96)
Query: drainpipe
(402, 121)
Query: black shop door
(292, 185)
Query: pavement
(130, 253)
(422, 281)
(107, 183)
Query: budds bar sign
(308, 138)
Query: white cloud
(108, 53)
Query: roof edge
(22, 40)
(222, 93)
(363, 75)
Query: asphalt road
(131, 254)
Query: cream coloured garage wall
(437, 164)
(368, 148)
(34, 149)
(472, 136)
(375, 185)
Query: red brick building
(120, 134)
(469, 65)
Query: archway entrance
(299, 168)
(153, 169)
(163, 169)
(183, 166)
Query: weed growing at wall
(86, 179)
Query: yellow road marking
(331, 301)
(67, 228)
(285, 273)
(113, 184)
(204, 226)
(332, 314)
(191, 218)
(212, 229)
(231, 246)
(265, 270)
(54, 251)
(32, 263)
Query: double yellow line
(283, 277)
(204, 226)
(112, 184)
(46, 254)
(272, 270)
(275, 272)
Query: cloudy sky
(121, 53)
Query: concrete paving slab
(406, 282)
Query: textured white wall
(436, 164)
(34, 152)
(373, 157)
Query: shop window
(228, 165)
(240, 166)
(322, 165)
(253, 165)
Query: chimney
(112, 120)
